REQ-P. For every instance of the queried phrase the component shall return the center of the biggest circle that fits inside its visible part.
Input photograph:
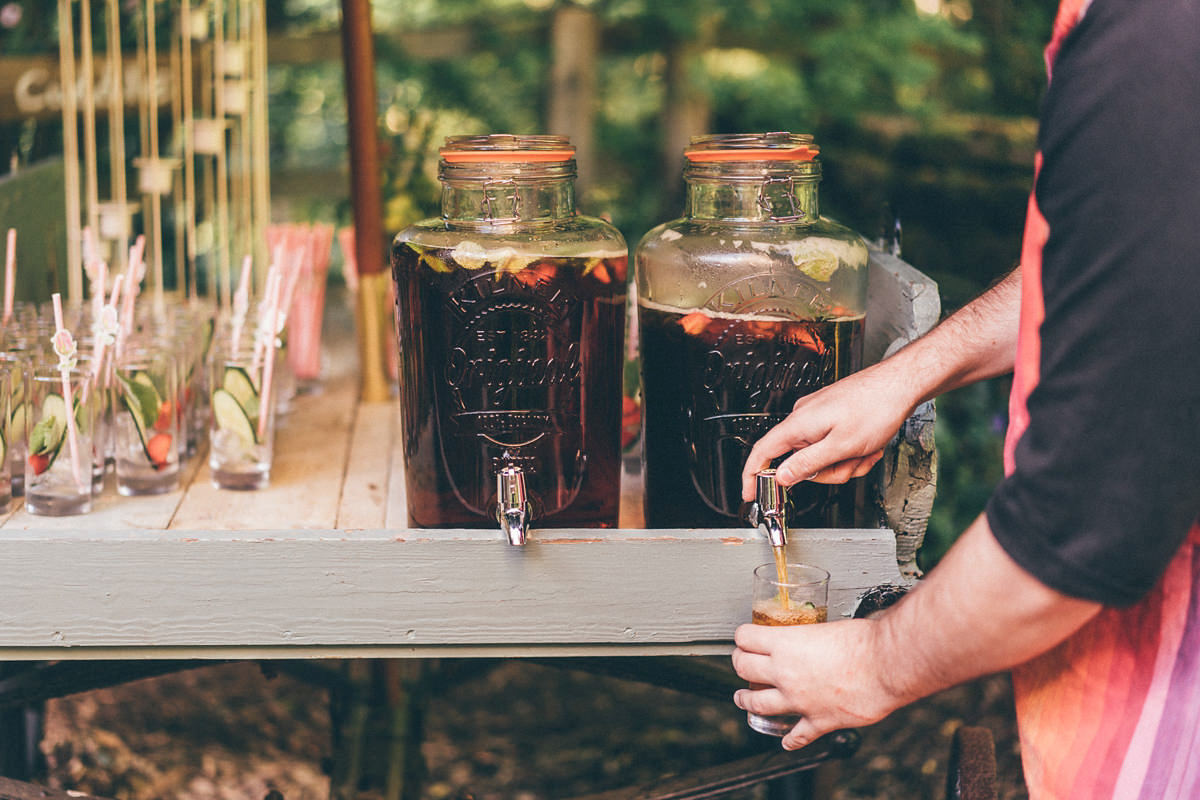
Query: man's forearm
(976, 613)
(977, 342)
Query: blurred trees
(924, 108)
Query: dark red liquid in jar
(713, 384)
(510, 360)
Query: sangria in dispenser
(511, 320)
(748, 302)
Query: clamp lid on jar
(506, 147)
(725, 147)
(507, 178)
(752, 177)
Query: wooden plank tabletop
(321, 564)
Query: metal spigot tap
(769, 511)
(512, 504)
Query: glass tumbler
(798, 597)
(241, 419)
(146, 423)
(58, 462)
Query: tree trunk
(686, 114)
(376, 714)
(572, 104)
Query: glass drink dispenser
(511, 320)
(748, 302)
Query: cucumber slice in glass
(237, 382)
(16, 422)
(231, 416)
(129, 399)
(46, 437)
(144, 378)
(54, 416)
(142, 400)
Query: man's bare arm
(839, 432)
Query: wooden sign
(32, 87)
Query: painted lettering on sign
(37, 89)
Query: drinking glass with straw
(17, 364)
(58, 475)
(146, 418)
(306, 309)
(5, 436)
(242, 405)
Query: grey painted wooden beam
(220, 593)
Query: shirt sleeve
(1106, 481)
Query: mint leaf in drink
(41, 438)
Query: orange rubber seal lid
(516, 156)
(804, 152)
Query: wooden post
(20, 734)
(155, 197)
(224, 270)
(261, 205)
(87, 76)
(358, 55)
(116, 132)
(70, 117)
(187, 80)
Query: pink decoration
(108, 327)
(10, 274)
(64, 347)
(307, 305)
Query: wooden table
(320, 564)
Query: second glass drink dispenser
(746, 303)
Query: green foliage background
(927, 116)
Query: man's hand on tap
(838, 432)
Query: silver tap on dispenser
(769, 511)
(512, 504)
